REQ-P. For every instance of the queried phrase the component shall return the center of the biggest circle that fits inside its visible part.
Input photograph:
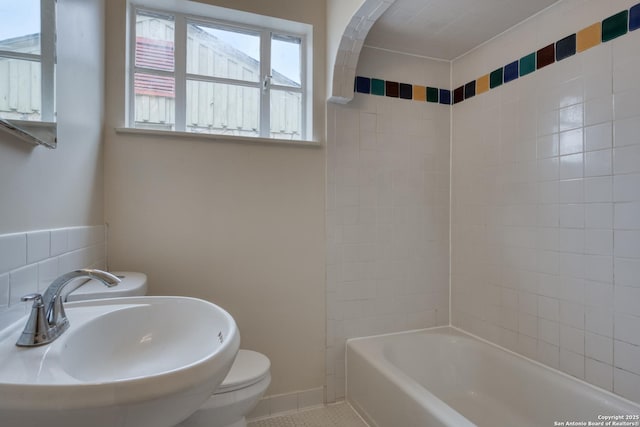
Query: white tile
(627, 300)
(571, 240)
(548, 122)
(626, 132)
(626, 328)
(598, 190)
(600, 374)
(549, 354)
(571, 117)
(13, 251)
(627, 216)
(598, 268)
(599, 321)
(598, 215)
(572, 191)
(59, 241)
(571, 142)
(572, 215)
(549, 308)
(598, 137)
(71, 261)
(627, 104)
(572, 363)
(572, 265)
(80, 237)
(625, 188)
(627, 272)
(548, 215)
(599, 347)
(548, 169)
(572, 339)
(4, 290)
(528, 325)
(627, 243)
(549, 332)
(547, 146)
(47, 273)
(38, 244)
(22, 282)
(572, 166)
(598, 110)
(598, 242)
(598, 294)
(598, 163)
(627, 356)
(626, 159)
(626, 384)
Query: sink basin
(139, 362)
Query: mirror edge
(35, 133)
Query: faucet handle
(35, 297)
(36, 331)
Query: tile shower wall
(546, 201)
(30, 261)
(387, 220)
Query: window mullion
(180, 56)
(265, 78)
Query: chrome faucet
(48, 320)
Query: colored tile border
(608, 29)
(634, 18)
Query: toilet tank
(132, 284)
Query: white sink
(138, 362)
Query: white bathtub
(443, 377)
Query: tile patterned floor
(338, 415)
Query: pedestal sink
(134, 362)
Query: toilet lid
(248, 368)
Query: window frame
(181, 21)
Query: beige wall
(42, 188)
(241, 225)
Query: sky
(19, 18)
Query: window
(213, 76)
(27, 60)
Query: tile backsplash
(387, 212)
(30, 261)
(546, 201)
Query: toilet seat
(249, 367)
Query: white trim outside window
(258, 88)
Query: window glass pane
(286, 114)
(154, 101)
(222, 53)
(223, 109)
(20, 28)
(154, 41)
(285, 61)
(20, 93)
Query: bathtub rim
(471, 335)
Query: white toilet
(240, 391)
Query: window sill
(219, 138)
